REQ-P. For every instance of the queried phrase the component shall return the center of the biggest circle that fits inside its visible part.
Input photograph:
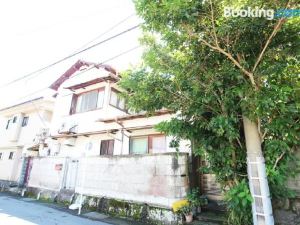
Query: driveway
(15, 211)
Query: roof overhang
(110, 77)
(134, 116)
(28, 106)
(86, 134)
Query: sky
(36, 33)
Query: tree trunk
(258, 183)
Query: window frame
(76, 96)
(25, 121)
(118, 100)
(7, 124)
(149, 143)
(11, 155)
(107, 150)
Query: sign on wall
(58, 167)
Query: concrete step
(211, 217)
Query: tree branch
(213, 24)
(278, 159)
(275, 30)
(235, 62)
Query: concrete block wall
(45, 173)
(155, 179)
(158, 179)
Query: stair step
(216, 217)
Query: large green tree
(234, 84)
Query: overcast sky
(35, 33)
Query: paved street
(27, 212)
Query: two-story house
(22, 129)
(97, 148)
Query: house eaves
(134, 116)
(20, 104)
(76, 67)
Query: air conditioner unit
(70, 141)
(41, 135)
(68, 128)
(44, 132)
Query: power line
(72, 55)
(86, 44)
(78, 74)
(107, 60)
(105, 32)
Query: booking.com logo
(269, 14)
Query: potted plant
(183, 207)
(187, 212)
(196, 201)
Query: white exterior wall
(87, 121)
(10, 168)
(37, 120)
(17, 138)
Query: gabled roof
(73, 69)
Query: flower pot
(199, 209)
(189, 217)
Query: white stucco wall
(10, 168)
(86, 121)
(37, 120)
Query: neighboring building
(23, 127)
(97, 148)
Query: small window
(148, 144)
(7, 124)
(116, 100)
(1, 155)
(107, 147)
(15, 119)
(11, 155)
(157, 144)
(139, 145)
(100, 99)
(25, 121)
(87, 101)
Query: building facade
(23, 127)
(98, 148)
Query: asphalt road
(27, 212)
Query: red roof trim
(77, 67)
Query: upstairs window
(7, 124)
(1, 155)
(116, 100)
(25, 121)
(148, 144)
(15, 119)
(11, 155)
(87, 101)
(107, 147)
